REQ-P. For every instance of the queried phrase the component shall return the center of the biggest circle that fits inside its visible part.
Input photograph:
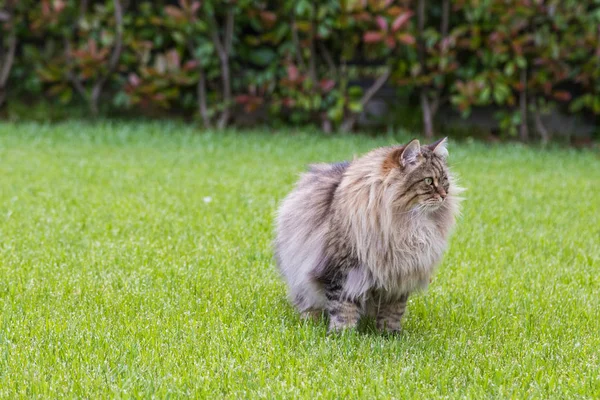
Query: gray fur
(363, 235)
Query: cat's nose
(442, 193)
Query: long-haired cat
(356, 238)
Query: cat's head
(419, 175)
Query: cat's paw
(336, 327)
(390, 328)
(314, 316)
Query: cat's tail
(302, 224)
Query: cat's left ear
(439, 148)
(410, 153)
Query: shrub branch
(93, 97)
(224, 47)
(201, 89)
(350, 121)
(7, 60)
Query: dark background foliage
(305, 62)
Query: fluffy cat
(356, 238)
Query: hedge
(306, 61)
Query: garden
(136, 261)
(219, 63)
(145, 147)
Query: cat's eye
(428, 181)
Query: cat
(357, 238)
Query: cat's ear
(410, 153)
(439, 148)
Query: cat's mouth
(433, 204)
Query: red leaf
(268, 18)
(134, 80)
(362, 17)
(92, 47)
(394, 11)
(288, 102)
(445, 43)
(59, 5)
(174, 12)
(45, 8)
(173, 60)
(292, 72)
(562, 95)
(243, 98)
(401, 21)
(517, 48)
(390, 42)
(495, 37)
(190, 65)
(195, 7)
(326, 85)
(382, 23)
(78, 53)
(406, 38)
(372, 37)
(519, 86)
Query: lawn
(136, 261)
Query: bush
(305, 61)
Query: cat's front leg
(343, 313)
(390, 314)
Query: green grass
(118, 278)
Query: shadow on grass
(366, 327)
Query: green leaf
(263, 56)
(303, 8)
(316, 102)
(121, 99)
(355, 106)
(66, 96)
(579, 103)
(501, 93)
(521, 62)
(484, 96)
(355, 91)
(596, 105)
(178, 37)
(509, 68)
(336, 113)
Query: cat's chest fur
(401, 261)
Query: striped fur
(356, 238)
